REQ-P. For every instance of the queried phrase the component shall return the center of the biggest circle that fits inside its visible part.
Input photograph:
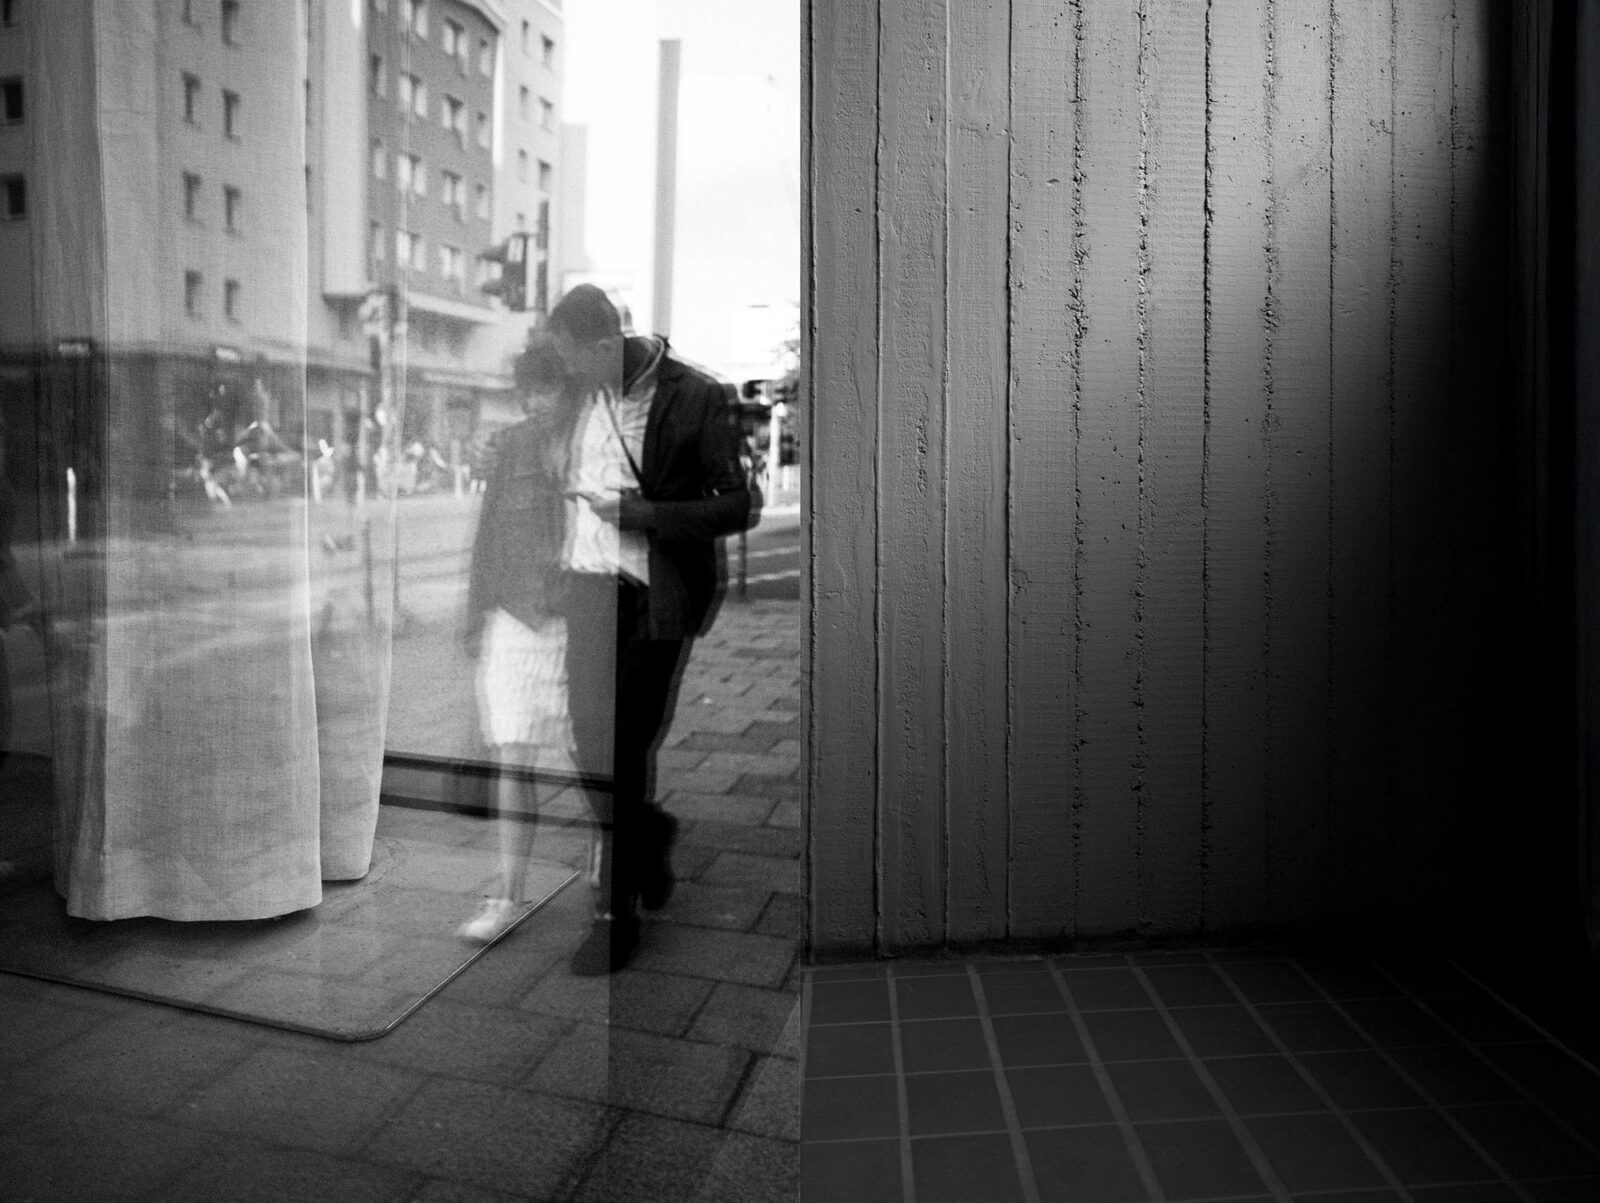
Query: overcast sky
(737, 263)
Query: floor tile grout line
(1130, 1136)
(908, 1178)
(1008, 1105)
(1339, 1113)
(1247, 1141)
(1410, 1080)
(1548, 1111)
(1523, 1016)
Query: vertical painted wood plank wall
(1151, 524)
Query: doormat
(351, 968)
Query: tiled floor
(1196, 1075)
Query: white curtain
(218, 650)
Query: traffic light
(512, 285)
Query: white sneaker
(491, 921)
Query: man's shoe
(655, 877)
(607, 947)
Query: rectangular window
(404, 165)
(522, 166)
(191, 196)
(189, 16)
(230, 22)
(547, 113)
(527, 37)
(8, 12)
(450, 263)
(230, 114)
(406, 90)
(191, 99)
(230, 300)
(418, 18)
(380, 6)
(485, 56)
(481, 201)
(232, 209)
(380, 160)
(419, 97)
(453, 193)
(375, 243)
(11, 100)
(192, 284)
(410, 250)
(15, 196)
(541, 232)
(455, 42)
(547, 51)
(546, 175)
(375, 82)
(524, 102)
(419, 177)
(484, 129)
(454, 116)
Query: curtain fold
(218, 685)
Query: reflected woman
(514, 621)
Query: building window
(450, 264)
(11, 100)
(481, 201)
(455, 42)
(230, 114)
(524, 102)
(410, 250)
(547, 51)
(541, 233)
(522, 221)
(232, 210)
(546, 173)
(418, 17)
(8, 12)
(484, 129)
(410, 174)
(453, 193)
(375, 243)
(380, 6)
(230, 300)
(547, 113)
(191, 99)
(189, 16)
(454, 115)
(522, 166)
(230, 22)
(485, 56)
(380, 160)
(527, 37)
(413, 95)
(375, 81)
(191, 196)
(192, 284)
(15, 190)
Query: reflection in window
(15, 197)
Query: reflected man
(654, 479)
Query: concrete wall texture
(1161, 556)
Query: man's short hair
(586, 314)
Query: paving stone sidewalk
(676, 1079)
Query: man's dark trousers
(620, 705)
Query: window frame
(232, 107)
(20, 92)
(194, 283)
(193, 182)
(19, 180)
(232, 294)
(192, 90)
(232, 13)
(233, 209)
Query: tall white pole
(666, 185)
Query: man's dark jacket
(694, 490)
